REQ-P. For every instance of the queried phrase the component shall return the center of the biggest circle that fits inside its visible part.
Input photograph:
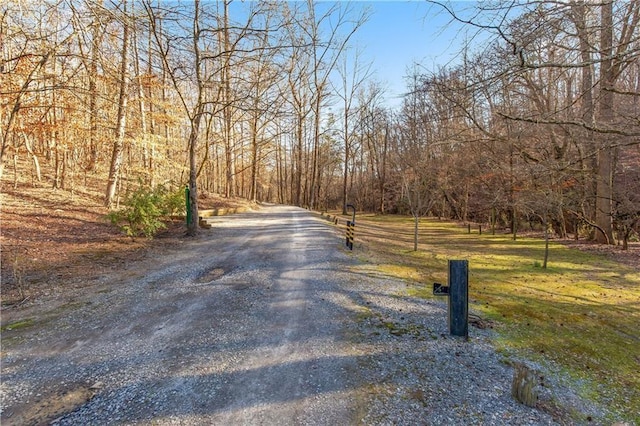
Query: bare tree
(194, 107)
(414, 155)
(373, 127)
(544, 43)
(352, 77)
(325, 56)
(118, 144)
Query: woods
(272, 101)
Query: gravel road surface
(264, 319)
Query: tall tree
(193, 106)
(545, 42)
(325, 56)
(352, 76)
(118, 144)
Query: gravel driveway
(264, 319)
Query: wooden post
(523, 387)
(350, 234)
(459, 298)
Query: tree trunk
(93, 91)
(546, 240)
(228, 124)
(315, 148)
(15, 169)
(142, 110)
(280, 175)
(152, 125)
(298, 185)
(34, 157)
(416, 222)
(254, 162)
(589, 165)
(6, 130)
(118, 145)
(55, 142)
(383, 174)
(192, 226)
(604, 184)
(347, 147)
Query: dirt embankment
(55, 240)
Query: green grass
(582, 312)
(17, 325)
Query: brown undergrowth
(57, 240)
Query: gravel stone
(264, 319)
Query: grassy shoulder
(582, 312)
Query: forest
(271, 101)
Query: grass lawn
(582, 312)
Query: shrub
(174, 202)
(145, 209)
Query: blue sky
(401, 33)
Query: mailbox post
(458, 292)
(459, 297)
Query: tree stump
(523, 388)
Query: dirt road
(264, 319)
(244, 326)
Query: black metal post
(459, 298)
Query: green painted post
(188, 203)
